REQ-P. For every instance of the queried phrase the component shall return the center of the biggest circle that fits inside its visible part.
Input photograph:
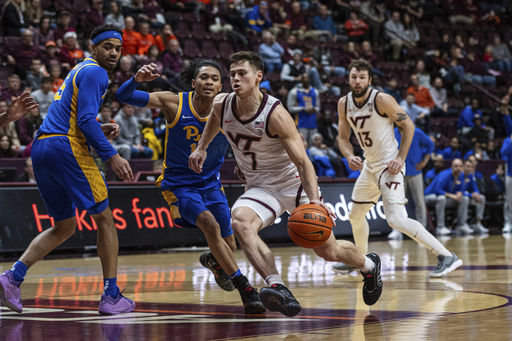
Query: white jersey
(373, 130)
(260, 156)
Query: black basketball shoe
(221, 277)
(250, 296)
(279, 298)
(372, 287)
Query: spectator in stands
(501, 54)
(499, 180)
(414, 9)
(395, 32)
(465, 123)
(33, 12)
(445, 44)
(50, 56)
(350, 54)
(55, 72)
(445, 192)
(289, 45)
(417, 159)
(6, 147)
(215, 16)
(298, 24)
(417, 114)
(130, 134)
(271, 52)
(105, 116)
(324, 158)
(304, 101)
(35, 75)
(492, 151)
(423, 75)
(13, 90)
(134, 9)
(44, 33)
(28, 174)
(115, 17)
(125, 71)
(153, 57)
(343, 9)
(258, 19)
(373, 12)
(327, 128)
(421, 93)
(368, 54)
(356, 29)
(27, 126)
(20, 54)
(153, 11)
(412, 35)
(438, 162)
(166, 34)
(14, 21)
(10, 130)
(70, 52)
(477, 199)
(293, 70)
(172, 60)
(44, 96)
(438, 94)
(476, 72)
(392, 89)
(456, 13)
(506, 153)
(453, 151)
(324, 25)
(63, 26)
(278, 16)
(131, 38)
(320, 78)
(94, 17)
(182, 6)
(478, 133)
(147, 40)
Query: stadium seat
(191, 49)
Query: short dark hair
(361, 65)
(104, 28)
(47, 80)
(253, 58)
(192, 69)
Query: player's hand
(239, 173)
(394, 166)
(331, 213)
(19, 107)
(196, 160)
(122, 168)
(477, 197)
(355, 163)
(147, 73)
(111, 130)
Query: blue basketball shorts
(187, 203)
(67, 177)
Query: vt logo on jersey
(249, 140)
(391, 183)
(192, 133)
(360, 118)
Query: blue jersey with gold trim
(182, 137)
(71, 114)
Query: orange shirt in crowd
(145, 43)
(160, 42)
(130, 42)
(421, 96)
(56, 84)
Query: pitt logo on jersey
(192, 133)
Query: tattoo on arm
(401, 117)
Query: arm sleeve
(293, 108)
(92, 84)
(127, 94)
(285, 73)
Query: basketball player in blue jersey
(196, 200)
(67, 175)
(17, 109)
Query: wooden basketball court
(177, 299)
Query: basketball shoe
(250, 296)
(372, 288)
(10, 293)
(112, 306)
(279, 298)
(342, 268)
(221, 277)
(445, 265)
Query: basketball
(309, 226)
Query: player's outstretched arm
(388, 105)
(281, 124)
(18, 108)
(346, 148)
(211, 129)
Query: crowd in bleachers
(447, 63)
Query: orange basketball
(309, 226)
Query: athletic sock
(110, 287)
(274, 279)
(368, 266)
(236, 274)
(19, 270)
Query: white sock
(274, 279)
(368, 266)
